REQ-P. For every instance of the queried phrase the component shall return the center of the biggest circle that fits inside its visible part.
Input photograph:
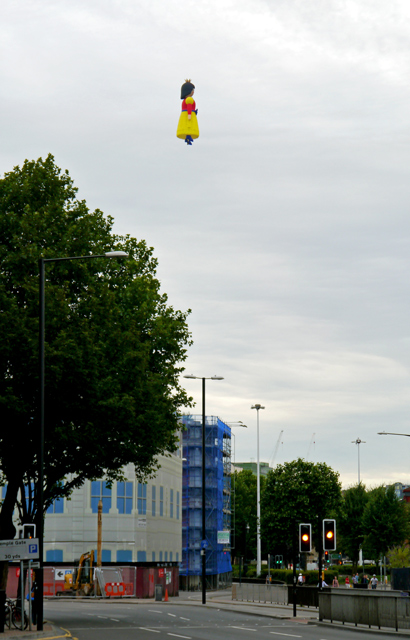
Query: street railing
(389, 609)
(267, 593)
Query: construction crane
(272, 459)
(312, 441)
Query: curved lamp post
(203, 543)
(40, 456)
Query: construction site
(217, 503)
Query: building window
(154, 499)
(170, 556)
(54, 555)
(124, 555)
(153, 556)
(177, 505)
(105, 555)
(124, 497)
(171, 503)
(142, 499)
(100, 491)
(141, 556)
(161, 501)
(166, 556)
(177, 556)
(57, 506)
(160, 556)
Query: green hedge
(369, 570)
(286, 575)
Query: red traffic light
(305, 537)
(329, 535)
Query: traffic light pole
(320, 550)
(294, 568)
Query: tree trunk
(7, 528)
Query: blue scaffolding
(217, 501)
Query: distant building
(141, 522)
(400, 491)
(217, 502)
(264, 467)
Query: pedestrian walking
(374, 581)
(347, 582)
(335, 582)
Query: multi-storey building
(141, 522)
(217, 502)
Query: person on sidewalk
(374, 581)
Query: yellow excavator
(81, 581)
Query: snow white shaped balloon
(188, 123)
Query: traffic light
(305, 537)
(327, 557)
(329, 535)
(29, 530)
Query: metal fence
(384, 609)
(107, 582)
(267, 593)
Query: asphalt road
(163, 621)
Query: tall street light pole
(203, 542)
(358, 442)
(40, 454)
(258, 495)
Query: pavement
(214, 599)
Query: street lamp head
(116, 254)
(192, 377)
(257, 407)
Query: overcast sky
(285, 227)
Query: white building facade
(141, 522)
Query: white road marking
(172, 615)
(154, 611)
(288, 635)
(146, 629)
(189, 619)
(175, 635)
(114, 620)
(242, 628)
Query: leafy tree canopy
(296, 492)
(385, 521)
(399, 557)
(245, 509)
(350, 525)
(113, 343)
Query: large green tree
(350, 525)
(245, 510)
(296, 492)
(385, 520)
(114, 346)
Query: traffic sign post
(19, 549)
